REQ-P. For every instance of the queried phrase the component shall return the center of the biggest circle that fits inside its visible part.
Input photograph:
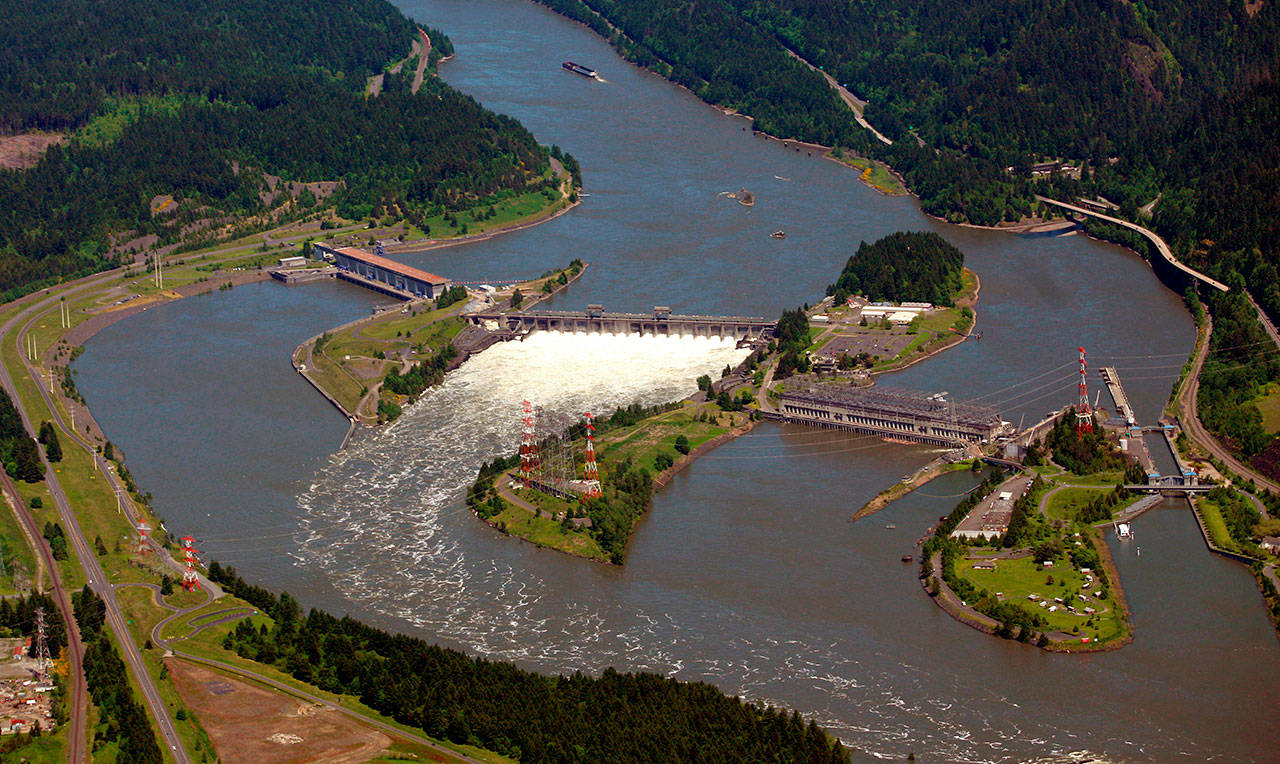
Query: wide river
(748, 573)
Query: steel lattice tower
(591, 472)
(1084, 414)
(143, 547)
(42, 647)
(190, 580)
(528, 446)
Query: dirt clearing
(250, 723)
(18, 152)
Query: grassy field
(1215, 525)
(1016, 579)
(1064, 504)
(1269, 406)
(546, 532)
(874, 174)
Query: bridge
(1161, 247)
(1171, 483)
(594, 320)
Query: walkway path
(1161, 247)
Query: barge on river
(580, 69)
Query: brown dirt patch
(251, 723)
(18, 152)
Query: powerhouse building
(919, 417)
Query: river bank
(555, 513)
(1053, 642)
(348, 364)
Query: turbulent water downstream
(377, 518)
(747, 572)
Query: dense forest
(122, 718)
(903, 267)
(1242, 360)
(211, 102)
(614, 717)
(17, 448)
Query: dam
(594, 320)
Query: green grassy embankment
(650, 443)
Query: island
(1021, 556)
(583, 490)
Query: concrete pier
(1112, 380)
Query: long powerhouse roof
(379, 261)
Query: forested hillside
(203, 100)
(1171, 98)
(1167, 109)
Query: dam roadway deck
(595, 320)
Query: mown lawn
(1016, 579)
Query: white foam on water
(377, 517)
(385, 521)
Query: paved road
(855, 104)
(1265, 320)
(1190, 420)
(1163, 248)
(87, 555)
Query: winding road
(1161, 247)
(87, 556)
(1190, 419)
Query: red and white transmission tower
(591, 472)
(189, 579)
(528, 446)
(1084, 414)
(144, 548)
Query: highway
(88, 557)
(1163, 248)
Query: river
(747, 573)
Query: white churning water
(385, 517)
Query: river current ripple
(385, 519)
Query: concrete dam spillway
(661, 322)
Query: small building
(297, 261)
(1271, 544)
(984, 565)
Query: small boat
(778, 235)
(891, 527)
(907, 558)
